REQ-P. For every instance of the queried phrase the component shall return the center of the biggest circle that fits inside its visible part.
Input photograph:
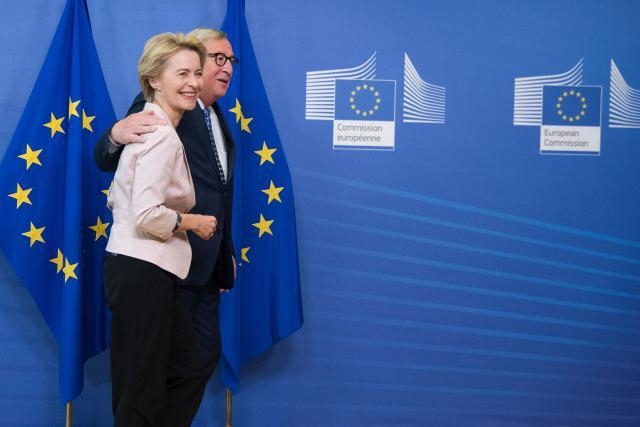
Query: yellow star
(237, 110)
(31, 157)
(243, 253)
(21, 196)
(273, 192)
(265, 154)
(57, 261)
(100, 228)
(55, 125)
(107, 190)
(244, 123)
(73, 108)
(34, 234)
(69, 270)
(86, 121)
(264, 226)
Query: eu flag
(53, 203)
(265, 305)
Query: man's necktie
(207, 118)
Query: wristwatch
(178, 221)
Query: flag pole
(69, 407)
(229, 407)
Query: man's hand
(134, 127)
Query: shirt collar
(201, 104)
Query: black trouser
(156, 366)
(203, 305)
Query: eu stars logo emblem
(364, 114)
(570, 120)
(365, 100)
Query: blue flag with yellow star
(265, 305)
(52, 196)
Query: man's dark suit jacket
(212, 197)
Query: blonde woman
(156, 368)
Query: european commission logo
(570, 120)
(364, 114)
(362, 107)
(569, 113)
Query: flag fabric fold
(53, 198)
(265, 305)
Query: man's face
(216, 79)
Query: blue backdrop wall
(467, 270)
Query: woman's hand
(202, 225)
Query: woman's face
(178, 87)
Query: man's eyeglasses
(221, 59)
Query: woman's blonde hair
(157, 51)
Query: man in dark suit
(210, 152)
